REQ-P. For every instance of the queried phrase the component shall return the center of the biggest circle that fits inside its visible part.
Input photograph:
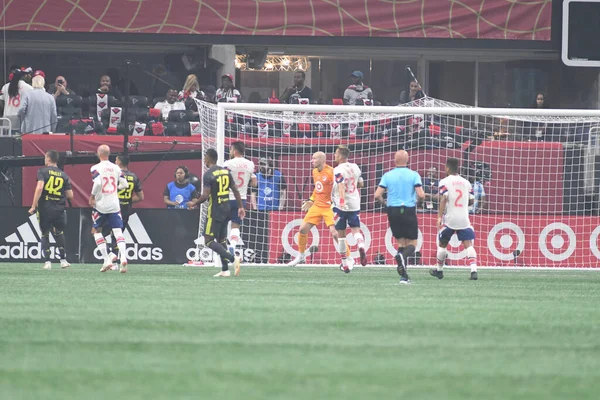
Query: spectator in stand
(298, 91)
(479, 201)
(191, 90)
(430, 187)
(358, 90)
(210, 94)
(27, 77)
(179, 192)
(59, 88)
(227, 92)
(12, 96)
(414, 93)
(271, 191)
(38, 109)
(106, 87)
(169, 104)
(540, 101)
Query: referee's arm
(379, 195)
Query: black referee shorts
(49, 218)
(403, 222)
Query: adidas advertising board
(20, 236)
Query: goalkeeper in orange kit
(318, 207)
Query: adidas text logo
(25, 243)
(139, 244)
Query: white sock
(342, 250)
(101, 245)
(360, 240)
(234, 237)
(472, 258)
(441, 257)
(120, 243)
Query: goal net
(535, 175)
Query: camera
(60, 82)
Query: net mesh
(535, 179)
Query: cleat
(223, 274)
(345, 269)
(236, 266)
(437, 273)
(123, 269)
(299, 259)
(113, 257)
(363, 256)
(405, 280)
(473, 276)
(312, 250)
(47, 265)
(64, 264)
(106, 266)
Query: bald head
(401, 158)
(318, 160)
(103, 152)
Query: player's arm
(307, 204)
(69, 194)
(253, 180)
(123, 184)
(379, 196)
(341, 186)
(96, 187)
(442, 210)
(418, 184)
(238, 199)
(39, 188)
(137, 196)
(206, 187)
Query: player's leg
(222, 238)
(466, 236)
(45, 226)
(60, 224)
(116, 224)
(211, 232)
(354, 223)
(235, 237)
(98, 222)
(312, 218)
(341, 224)
(401, 232)
(444, 237)
(111, 244)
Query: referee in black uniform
(216, 182)
(49, 202)
(403, 187)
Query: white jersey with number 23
(242, 170)
(348, 174)
(458, 191)
(108, 180)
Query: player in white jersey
(106, 209)
(242, 170)
(456, 194)
(346, 205)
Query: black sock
(407, 252)
(226, 257)
(46, 246)
(60, 244)
(400, 250)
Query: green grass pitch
(168, 332)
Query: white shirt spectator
(12, 105)
(165, 108)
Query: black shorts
(403, 222)
(216, 228)
(49, 218)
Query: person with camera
(59, 88)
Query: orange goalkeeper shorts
(316, 214)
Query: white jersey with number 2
(108, 180)
(348, 174)
(242, 170)
(458, 191)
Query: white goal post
(539, 169)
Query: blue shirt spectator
(400, 184)
(479, 198)
(180, 191)
(271, 191)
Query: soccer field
(163, 332)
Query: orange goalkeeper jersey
(323, 181)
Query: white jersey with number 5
(108, 180)
(348, 174)
(458, 191)
(242, 170)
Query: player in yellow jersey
(318, 206)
